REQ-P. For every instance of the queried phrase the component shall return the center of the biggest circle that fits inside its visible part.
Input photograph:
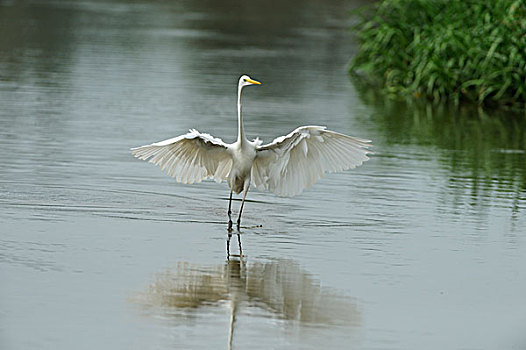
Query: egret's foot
(230, 225)
(228, 243)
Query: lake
(422, 247)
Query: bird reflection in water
(238, 234)
(278, 287)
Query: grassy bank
(454, 50)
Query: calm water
(424, 247)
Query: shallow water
(423, 247)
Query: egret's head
(246, 80)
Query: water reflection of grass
(485, 146)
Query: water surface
(423, 247)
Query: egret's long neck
(240, 130)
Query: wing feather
(291, 163)
(190, 158)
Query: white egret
(286, 166)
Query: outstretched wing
(190, 158)
(291, 163)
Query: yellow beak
(253, 82)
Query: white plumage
(286, 166)
(294, 162)
(190, 158)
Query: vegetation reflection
(484, 151)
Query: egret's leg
(230, 211)
(242, 203)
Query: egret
(286, 166)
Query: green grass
(455, 50)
